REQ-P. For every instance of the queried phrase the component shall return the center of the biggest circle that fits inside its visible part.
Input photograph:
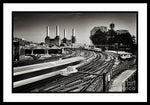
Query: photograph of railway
(74, 52)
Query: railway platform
(117, 83)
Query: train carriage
(125, 55)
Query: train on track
(122, 55)
(93, 49)
(125, 55)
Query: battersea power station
(57, 40)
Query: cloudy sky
(32, 26)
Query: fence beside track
(109, 75)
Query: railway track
(40, 83)
(78, 81)
(59, 80)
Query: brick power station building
(57, 40)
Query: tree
(99, 38)
(125, 38)
(111, 41)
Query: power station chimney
(47, 30)
(64, 33)
(73, 32)
(57, 30)
(73, 36)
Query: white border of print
(8, 96)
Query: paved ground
(117, 83)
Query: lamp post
(104, 86)
(117, 51)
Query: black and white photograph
(75, 52)
(72, 51)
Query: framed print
(75, 52)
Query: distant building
(57, 41)
(110, 34)
(111, 31)
(103, 28)
(66, 41)
(112, 26)
(51, 42)
(95, 29)
(121, 31)
(19, 46)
